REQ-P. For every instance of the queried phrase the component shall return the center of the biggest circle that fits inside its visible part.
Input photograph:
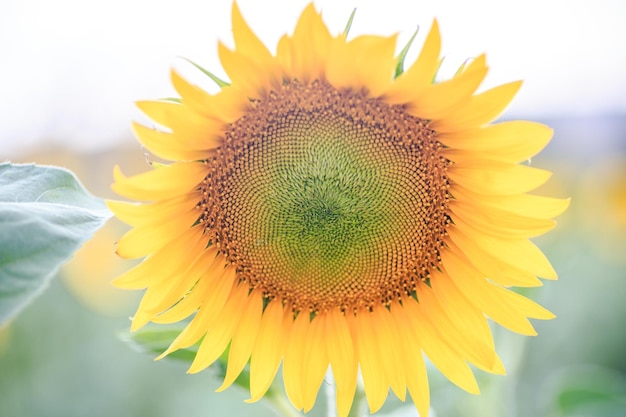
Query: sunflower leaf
(154, 340)
(593, 391)
(45, 216)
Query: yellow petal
(190, 130)
(293, 361)
(532, 206)
(250, 49)
(389, 342)
(460, 310)
(480, 110)
(165, 113)
(498, 223)
(220, 331)
(160, 183)
(315, 363)
(513, 141)
(467, 316)
(246, 41)
(497, 270)
(210, 293)
(146, 239)
(461, 339)
(170, 259)
(416, 376)
(342, 358)
(482, 294)
(417, 380)
(244, 338)
(226, 106)
(284, 56)
(418, 76)
(435, 101)
(187, 305)
(374, 377)
(308, 48)
(165, 145)
(366, 61)
(269, 348)
(243, 72)
(136, 214)
(447, 361)
(496, 178)
(525, 306)
(168, 292)
(205, 320)
(520, 253)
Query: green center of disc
(326, 209)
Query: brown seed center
(324, 197)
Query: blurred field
(62, 355)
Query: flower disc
(339, 202)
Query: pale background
(70, 69)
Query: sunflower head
(326, 208)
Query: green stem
(283, 407)
(281, 404)
(359, 405)
(331, 399)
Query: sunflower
(327, 208)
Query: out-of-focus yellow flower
(327, 208)
(88, 274)
(603, 208)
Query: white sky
(71, 69)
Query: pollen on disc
(325, 198)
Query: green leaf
(45, 216)
(593, 391)
(155, 340)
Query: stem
(359, 405)
(331, 400)
(283, 407)
(281, 404)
